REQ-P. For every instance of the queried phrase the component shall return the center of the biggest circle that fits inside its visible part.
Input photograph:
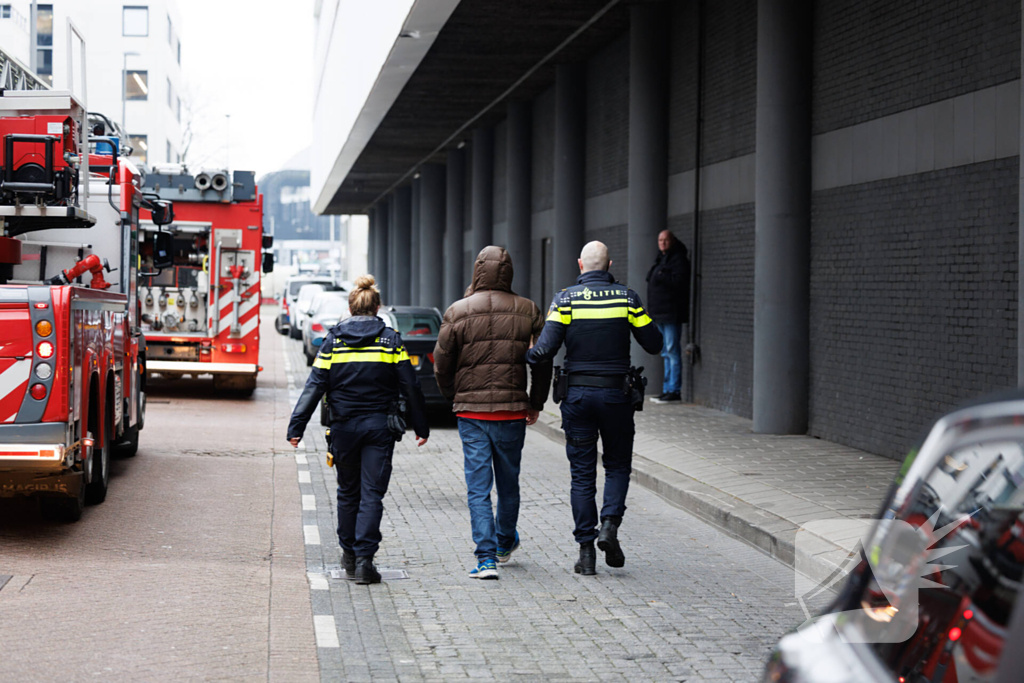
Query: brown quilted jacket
(480, 356)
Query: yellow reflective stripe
(372, 357)
(600, 313)
(559, 317)
(639, 318)
(598, 302)
(322, 363)
(402, 354)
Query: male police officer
(595, 318)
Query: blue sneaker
(504, 555)
(486, 569)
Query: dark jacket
(668, 286)
(480, 356)
(362, 366)
(595, 318)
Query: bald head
(594, 257)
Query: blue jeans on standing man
(671, 352)
(492, 450)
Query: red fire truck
(201, 314)
(71, 351)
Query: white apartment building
(133, 59)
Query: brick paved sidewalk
(760, 488)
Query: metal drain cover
(385, 574)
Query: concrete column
(380, 272)
(782, 217)
(414, 244)
(432, 219)
(648, 156)
(518, 179)
(371, 247)
(570, 160)
(482, 201)
(401, 266)
(455, 189)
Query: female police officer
(362, 365)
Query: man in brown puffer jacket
(480, 364)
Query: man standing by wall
(480, 364)
(668, 303)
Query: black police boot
(366, 573)
(587, 563)
(608, 542)
(348, 562)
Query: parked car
(934, 596)
(326, 309)
(299, 310)
(419, 326)
(291, 292)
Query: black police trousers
(362, 448)
(589, 413)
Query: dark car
(419, 326)
(933, 593)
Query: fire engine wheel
(96, 490)
(60, 509)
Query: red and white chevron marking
(248, 310)
(13, 384)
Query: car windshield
(424, 324)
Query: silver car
(326, 309)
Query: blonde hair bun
(366, 282)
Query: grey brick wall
(730, 79)
(682, 105)
(543, 159)
(607, 163)
(913, 301)
(617, 239)
(500, 172)
(878, 57)
(723, 378)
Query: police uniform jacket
(362, 366)
(595, 318)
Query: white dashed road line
(326, 631)
(318, 582)
(304, 476)
(312, 534)
(308, 502)
(300, 459)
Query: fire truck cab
(200, 298)
(71, 350)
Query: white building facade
(133, 60)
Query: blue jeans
(671, 352)
(589, 413)
(492, 452)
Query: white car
(291, 292)
(324, 313)
(301, 306)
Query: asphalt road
(211, 559)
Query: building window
(136, 85)
(178, 110)
(135, 21)
(170, 156)
(140, 147)
(5, 11)
(170, 94)
(170, 31)
(179, 53)
(44, 42)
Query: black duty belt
(600, 381)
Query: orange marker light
(44, 328)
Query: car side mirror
(268, 262)
(162, 212)
(268, 241)
(163, 255)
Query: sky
(252, 60)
